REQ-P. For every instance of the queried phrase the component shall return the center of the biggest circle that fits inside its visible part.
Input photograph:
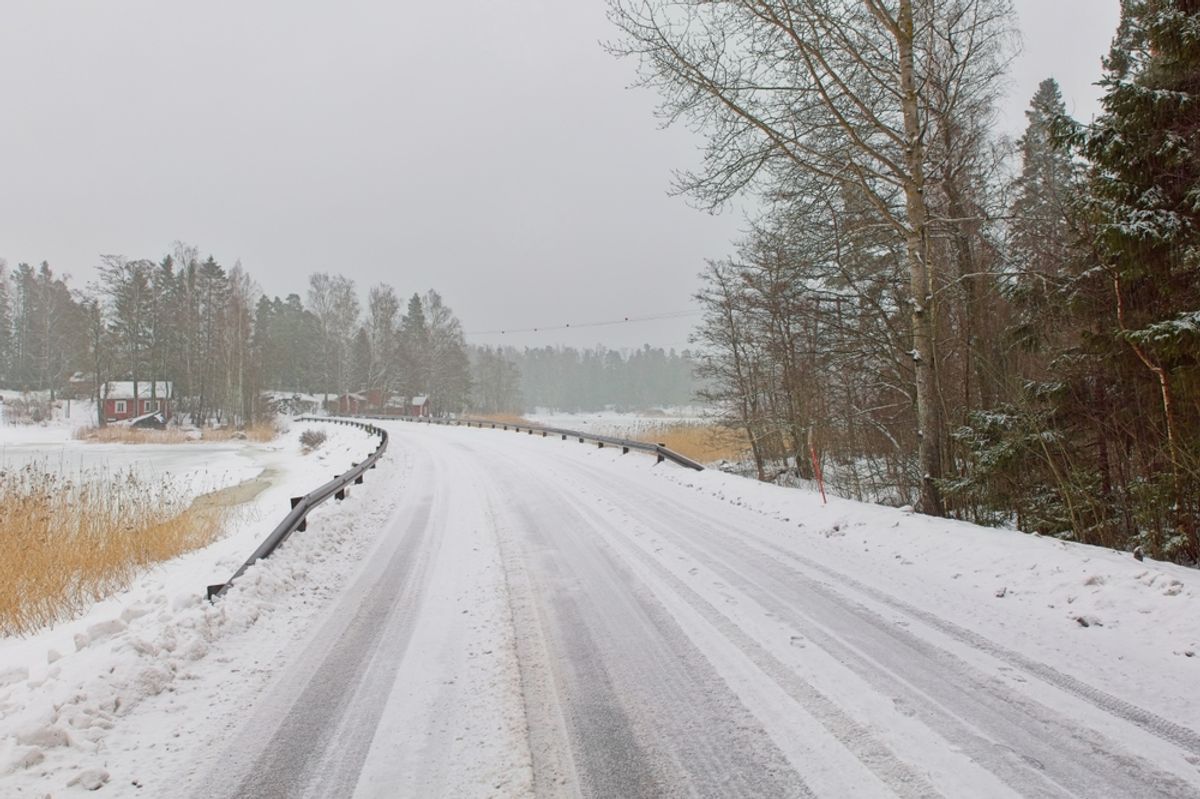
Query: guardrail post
(624, 450)
(303, 522)
(340, 494)
(600, 444)
(564, 435)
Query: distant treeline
(222, 344)
(567, 379)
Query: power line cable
(579, 325)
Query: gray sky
(488, 149)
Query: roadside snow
(1131, 628)
(66, 691)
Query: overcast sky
(488, 149)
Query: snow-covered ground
(614, 423)
(69, 693)
(67, 417)
(494, 614)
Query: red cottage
(348, 405)
(120, 404)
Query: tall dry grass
(65, 544)
(119, 434)
(123, 434)
(700, 442)
(260, 432)
(503, 418)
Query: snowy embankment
(1129, 612)
(1130, 627)
(65, 691)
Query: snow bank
(1128, 627)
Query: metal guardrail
(659, 450)
(296, 520)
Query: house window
(149, 405)
(119, 406)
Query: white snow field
(500, 614)
(616, 423)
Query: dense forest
(1003, 332)
(220, 342)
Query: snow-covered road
(535, 618)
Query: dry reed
(503, 418)
(705, 443)
(69, 543)
(123, 434)
(120, 434)
(260, 432)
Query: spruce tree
(1041, 233)
(1144, 196)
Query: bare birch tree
(838, 90)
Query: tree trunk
(917, 250)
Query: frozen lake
(201, 466)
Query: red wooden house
(120, 403)
(349, 404)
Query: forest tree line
(999, 331)
(222, 344)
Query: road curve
(534, 622)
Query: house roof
(419, 401)
(123, 389)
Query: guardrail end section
(215, 591)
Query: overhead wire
(580, 325)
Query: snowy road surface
(534, 621)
